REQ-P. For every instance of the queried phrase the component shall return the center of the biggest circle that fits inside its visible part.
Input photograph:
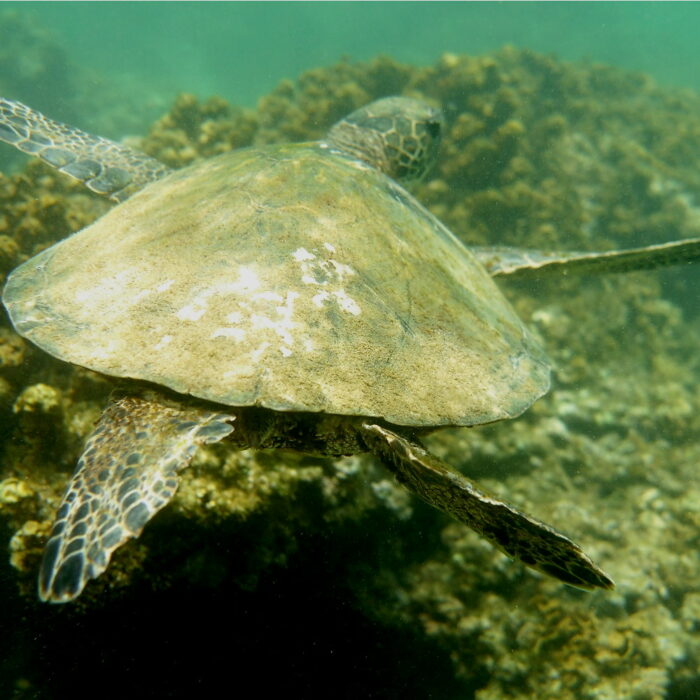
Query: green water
(241, 50)
(282, 575)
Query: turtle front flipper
(102, 165)
(126, 474)
(516, 262)
(518, 535)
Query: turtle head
(398, 135)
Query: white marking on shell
(193, 311)
(269, 296)
(141, 295)
(323, 272)
(105, 351)
(163, 342)
(347, 303)
(247, 281)
(301, 254)
(340, 296)
(225, 332)
(326, 273)
(341, 269)
(283, 324)
(319, 298)
(258, 352)
(268, 311)
(108, 287)
(165, 286)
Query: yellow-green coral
(194, 129)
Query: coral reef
(194, 129)
(537, 153)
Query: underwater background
(569, 126)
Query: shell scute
(289, 277)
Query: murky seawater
(321, 577)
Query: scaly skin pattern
(105, 167)
(515, 262)
(518, 535)
(128, 471)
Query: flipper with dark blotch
(518, 535)
(516, 262)
(103, 166)
(126, 474)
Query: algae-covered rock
(537, 153)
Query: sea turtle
(281, 296)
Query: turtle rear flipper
(126, 474)
(103, 166)
(516, 534)
(516, 262)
